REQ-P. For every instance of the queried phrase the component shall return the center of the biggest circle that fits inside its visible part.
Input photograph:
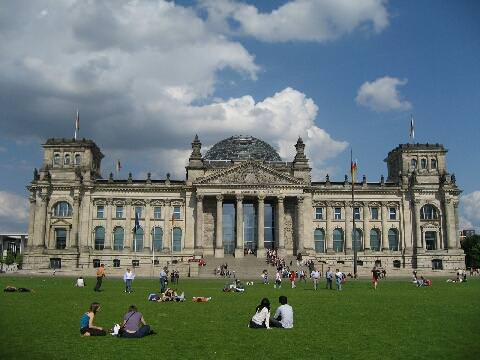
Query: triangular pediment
(61, 222)
(250, 173)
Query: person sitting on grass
(86, 322)
(134, 325)
(171, 295)
(261, 319)
(80, 282)
(283, 317)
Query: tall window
(157, 238)
(338, 213)
(66, 159)
(78, 159)
(118, 236)
(393, 239)
(375, 240)
(60, 238)
(319, 238)
(356, 213)
(433, 164)
(119, 212)
(269, 226)
(428, 212)
(249, 226)
(374, 213)
(176, 213)
(157, 212)
(393, 213)
(318, 213)
(138, 240)
(338, 240)
(138, 211)
(99, 238)
(100, 211)
(62, 209)
(56, 159)
(413, 164)
(431, 240)
(423, 163)
(177, 239)
(357, 239)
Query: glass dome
(242, 147)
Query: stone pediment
(60, 222)
(250, 173)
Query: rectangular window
(393, 213)
(100, 211)
(157, 212)
(119, 212)
(176, 213)
(374, 213)
(138, 210)
(338, 213)
(356, 213)
(60, 238)
(318, 213)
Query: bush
(19, 260)
(10, 259)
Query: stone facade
(78, 219)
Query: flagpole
(353, 210)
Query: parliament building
(240, 197)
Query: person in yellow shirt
(100, 276)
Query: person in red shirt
(293, 277)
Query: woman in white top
(261, 319)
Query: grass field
(398, 321)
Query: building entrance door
(228, 228)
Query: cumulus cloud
(382, 95)
(470, 210)
(13, 212)
(143, 74)
(304, 20)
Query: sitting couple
(168, 295)
(134, 325)
(283, 317)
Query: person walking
(329, 278)
(128, 279)
(293, 277)
(278, 281)
(315, 277)
(163, 280)
(375, 277)
(339, 279)
(100, 276)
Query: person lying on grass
(168, 295)
(134, 325)
(236, 286)
(201, 299)
(261, 319)
(86, 322)
(10, 288)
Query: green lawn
(398, 321)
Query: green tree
(471, 246)
(19, 260)
(10, 259)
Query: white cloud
(382, 95)
(470, 210)
(13, 212)
(305, 20)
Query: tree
(19, 260)
(471, 246)
(10, 259)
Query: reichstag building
(240, 197)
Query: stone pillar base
(261, 253)
(219, 253)
(239, 253)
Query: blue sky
(147, 77)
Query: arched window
(338, 240)
(62, 209)
(78, 159)
(423, 163)
(433, 164)
(177, 239)
(413, 164)
(428, 212)
(375, 240)
(60, 238)
(99, 238)
(157, 238)
(118, 236)
(66, 159)
(357, 238)
(319, 237)
(393, 239)
(56, 159)
(138, 240)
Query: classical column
(199, 224)
(147, 232)
(300, 235)
(261, 226)
(31, 220)
(128, 234)
(75, 217)
(239, 216)
(219, 253)
(450, 224)
(457, 238)
(418, 230)
(384, 227)
(328, 230)
(40, 222)
(280, 235)
(366, 222)
(348, 226)
(189, 222)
